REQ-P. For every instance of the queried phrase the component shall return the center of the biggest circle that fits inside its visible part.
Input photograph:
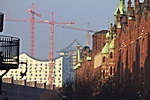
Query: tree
(67, 91)
(47, 95)
(84, 89)
(91, 88)
(117, 91)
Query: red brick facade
(132, 46)
(87, 56)
(130, 61)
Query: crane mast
(88, 36)
(50, 56)
(32, 28)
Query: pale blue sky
(96, 12)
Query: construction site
(34, 12)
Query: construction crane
(51, 22)
(50, 56)
(81, 29)
(32, 13)
(32, 21)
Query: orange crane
(51, 22)
(81, 29)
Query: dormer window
(111, 55)
(104, 59)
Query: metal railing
(9, 52)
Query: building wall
(132, 48)
(98, 41)
(37, 69)
(21, 90)
(131, 53)
(97, 60)
(62, 70)
(87, 66)
(58, 71)
(68, 72)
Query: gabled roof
(71, 47)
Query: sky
(98, 13)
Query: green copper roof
(118, 25)
(112, 44)
(105, 48)
(88, 58)
(121, 7)
(107, 35)
(76, 66)
(79, 56)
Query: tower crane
(32, 21)
(51, 22)
(81, 29)
(32, 13)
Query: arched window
(111, 55)
(111, 70)
(104, 59)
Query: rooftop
(101, 32)
(71, 47)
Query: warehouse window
(111, 70)
(104, 59)
(111, 55)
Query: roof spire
(129, 5)
(121, 7)
(136, 2)
(111, 33)
(118, 15)
(108, 23)
(122, 1)
(110, 27)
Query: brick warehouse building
(99, 61)
(85, 57)
(132, 52)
